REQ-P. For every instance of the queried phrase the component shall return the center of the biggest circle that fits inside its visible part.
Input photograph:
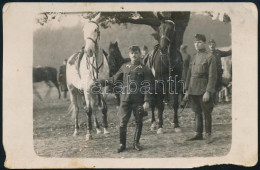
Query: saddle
(149, 59)
(76, 59)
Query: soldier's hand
(186, 97)
(205, 97)
(146, 106)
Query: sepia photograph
(117, 82)
(74, 52)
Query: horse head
(166, 33)
(115, 57)
(91, 32)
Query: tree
(153, 19)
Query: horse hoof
(160, 131)
(75, 133)
(98, 131)
(88, 137)
(153, 126)
(177, 130)
(106, 131)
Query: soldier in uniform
(62, 79)
(135, 95)
(145, 54)
(218, 55)
(200, 85)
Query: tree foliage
(153, 19)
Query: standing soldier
(200, 85)
(135, 95)
(145, 54)
(218, 55)
(62, 79)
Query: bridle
(169, 40)
(164, 36)
(96, 53)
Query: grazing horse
(81, 79)
(115, 61)
(166, 65)
(46, 74)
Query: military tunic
(135, 90)
(218, 55)
(201, 77)
(62, 78)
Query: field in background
(53, 129)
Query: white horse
(81, 79)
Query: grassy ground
(53, 129)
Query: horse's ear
(160, 17)
(97, 18)
(116, 43)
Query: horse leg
(37, 93)
(94, 105)
(57, 87)
(175, 113)
(89, 112)
(160, 116)
(89, 124)
(153, 126)
(75, 110)
(118, 100)
(104, 109)
(49, 90)
(104, 112)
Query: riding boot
(122, 136)
(138, 132)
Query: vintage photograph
(132, 84)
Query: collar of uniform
(202, 50)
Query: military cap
(134, 48)
(65, 60)
(212, 41)
(200, 37)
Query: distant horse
(46, 74)
(226, 90)
(166, 64)
(115, 61)
(81, 82)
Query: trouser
(198, 106)
(125, 111)
(65, 94)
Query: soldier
(218, 54)
(145, 54)
(200, 85)
(62, 79)
(134, 97)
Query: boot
(208, 138)
(138, 132)
(198, 136)
(122, 134)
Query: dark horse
(166, 64)
(115, 61)
(46, 74)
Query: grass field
(53, 129)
